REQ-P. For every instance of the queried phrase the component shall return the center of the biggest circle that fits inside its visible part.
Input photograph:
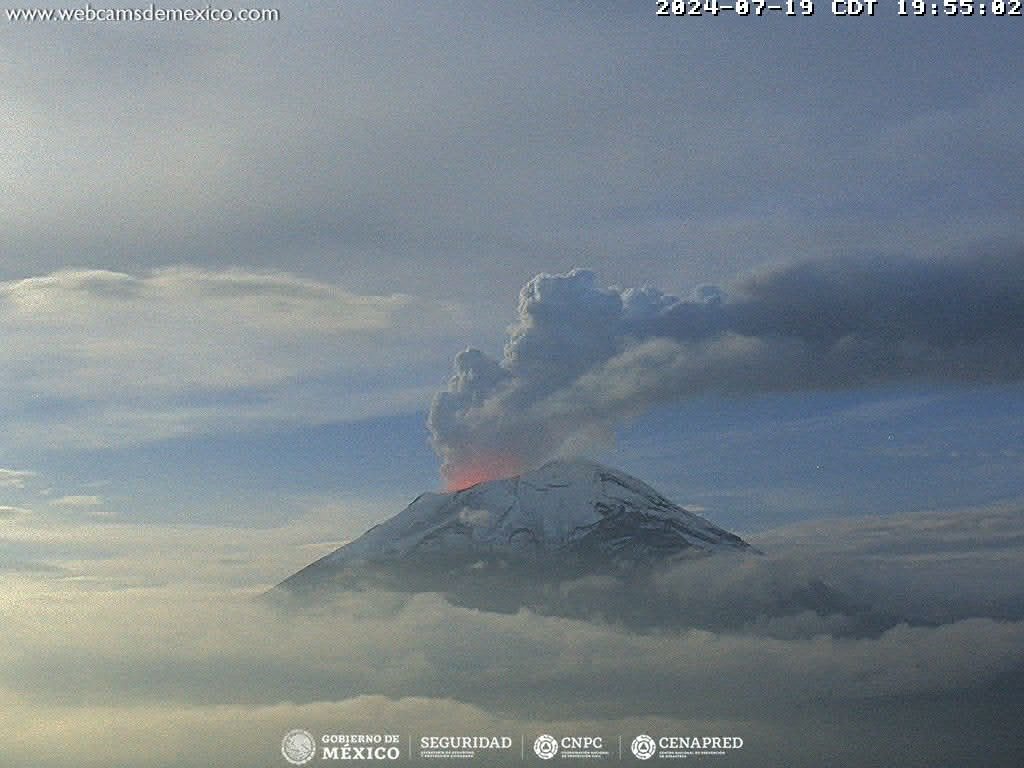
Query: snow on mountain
(576, 514)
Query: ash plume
(580, 359)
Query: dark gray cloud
(580, 359)
(401, 148)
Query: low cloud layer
(580, 359)
(130, 655)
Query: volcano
(565, 520)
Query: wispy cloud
(77, 501)
(132, 357)
(15, 478)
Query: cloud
(581, 359)
(119, 357)
(77, 501)
(14, 478)
(337, 159)
(473, 517)
(150, 555)
(90, 658)
(7, 512)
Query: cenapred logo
(643, 747)
(298, 746)
(545, 746)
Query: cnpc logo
(547, 746)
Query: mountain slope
(565, 520)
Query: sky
(239, 261)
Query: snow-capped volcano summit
(567, 518)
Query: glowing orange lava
(480, 470)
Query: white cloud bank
(151, 657)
